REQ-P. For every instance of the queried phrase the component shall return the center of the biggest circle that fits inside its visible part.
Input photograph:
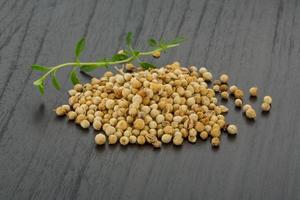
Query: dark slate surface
(256, 42)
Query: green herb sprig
(127, 56)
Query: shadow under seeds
(252, 99)
(39, 113)
(265, 114)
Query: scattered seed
(253, 91)
(224, 78)
(232, 129)
(100, 139)
(265, 107)
(215, 142)
(250, 113)
(268, 99)
(112, 139)
(157, 106)
(238, 103)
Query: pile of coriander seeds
(163, 105)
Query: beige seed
(215, 142)
(141, 140)
(156, 54)
(224, 78)
(72, 115)
(109, 130)
(132, 139)
(60, 111)
(166, 138)
(139, 124)
(177, 140)
(122, 125)
(224, 109)
(225, 95)
(97, 125)
(253, 91)
(207, 76)
(85, 123)
(124, 140)
(215, 132)
(232, 89)
(112, 139)
(268, 99)
(110, 104)
(100, 139)
(238, 103)
(250, 113)
(246, 107)
(192, 138)
(156, 144)
(169, 130)
(135, 83)
(265, 107)
(232, 129)
(238, 94)
(202, 70)
(203, 135)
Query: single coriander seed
(224, 78)
(225, 95)
(156, 54)
(238, 94)
(265, 107)
(177, 140)
(85, 123)
(203, 135)
(268, 99)
(112, 139)
(141, 139)
(100, 139)
(124, 140)
(232, 129)
(60, 111)
(166, 138)
(72, 115)
(246, 107)
(232, 89)
(253, 91)
(250, 113)
(215, 142)
(238, 103)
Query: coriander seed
(238, 103)
(265, 107)
(232, 129)
(72, 115)
(177, 140)
(250, 113)
(224, 78)
(100, 139)
(166, 138)
(203, 135)
(238, 94)
(85, 123)
(141, 140)
(60, 111)
(246, 107)
(215, 142)
(253, 91)
(232, 89)
(112, 139)
(124, 140)
(268, 99)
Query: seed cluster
(165, 105)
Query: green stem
(103, 64)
